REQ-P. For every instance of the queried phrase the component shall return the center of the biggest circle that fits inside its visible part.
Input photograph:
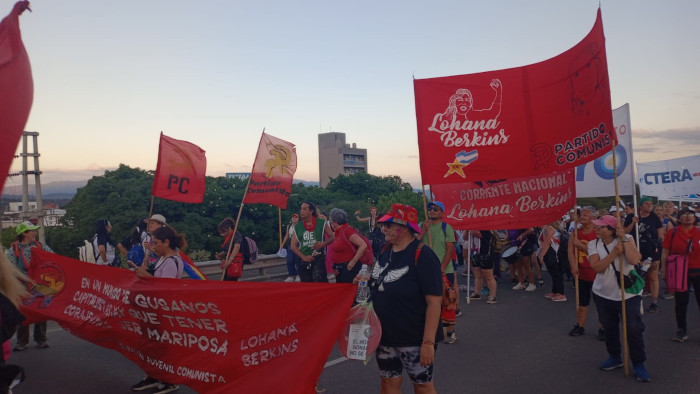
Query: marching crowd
(414, 287)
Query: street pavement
(521, 344)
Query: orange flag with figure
(273, 172)
(16, 87)
(180, 175)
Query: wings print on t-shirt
(391, 276)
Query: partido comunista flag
(523, 121)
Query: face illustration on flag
(537, 119)
(273, 172)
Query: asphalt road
(520, 344)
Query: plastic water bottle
(362, 285)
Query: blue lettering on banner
(654, 178)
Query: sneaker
(559, 298)
(289, 279)
(540, 283)
(668, 296)
(458, 312)
(577, 331)
(42, 345)
(531, 287)
(485, 291)
(641, 374)
(475, 296)
(681, 336)
(653, 308)
(451, 337)
(145, 384)
(297, 279)
(491, 300)
(19, 348)
(166, 388)
(601, 334)
(549, 295)
(646, 293)
(519, 286)
(465, 273)
(611, 363)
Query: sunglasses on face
(435, 209)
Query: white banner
(595, 178)
(667, 178)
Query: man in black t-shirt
(650, 236)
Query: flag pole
(625, 346)
(469, 265)
(279, 215)
(576, 251)
(425, 210)
(235, 228)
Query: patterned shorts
(393, 360)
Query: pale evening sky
(109, 76)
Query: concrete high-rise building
(335, 157)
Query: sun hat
(402, 214)
(613, 209)
(25, 226)
(436, 203)
(158, 218)
(607, 220)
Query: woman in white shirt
(612, 249)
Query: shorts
(584, 292)
(393, 360)
(482, 261)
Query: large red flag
(507, 203)
(273, 172)
(545, 117)
(16, 87)
(180, 175)
(215, 337)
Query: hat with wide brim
(158, 218)
(25, 226)
(607, 220)
(402, 214)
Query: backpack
(249, 248)
(19, 256)
(367, 257)
(86, 252)
(498, 242)
(136, 254)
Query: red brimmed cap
(402, 214)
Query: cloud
(653, 145)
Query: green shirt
(439, 238)
(307, 239)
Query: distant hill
(53, 190)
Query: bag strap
(690, 241)
(383, 274)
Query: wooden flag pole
(625, 346)
(279, 215)
(578, 294)
(469, 266)
(425, 210)
(235, 228)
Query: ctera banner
(215, 337)
(181, 170)
(16, 87)
(273, 172)
(669, 179)
(532, 120)
(508, 203)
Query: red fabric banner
(215, 337)
(180, 175)
(16, 88)
(537, 119)
(273, 172)
(509, 203)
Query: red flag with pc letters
(180, 175)
(518, 122)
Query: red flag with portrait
(524, 121)
(180, 175)
(16, 87)
(273, 172)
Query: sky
(110, 76)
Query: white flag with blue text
(668, 179)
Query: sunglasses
(435, 209)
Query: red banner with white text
(273, 172)
(215, 337)
(16, 87)
(181, 171)
(531, 120)
(508, 203)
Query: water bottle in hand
(362, 285)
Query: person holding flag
(308, 244)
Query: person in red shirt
(684, 239)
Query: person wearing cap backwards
(684, 239)
(614, 251)
(441, 240)
(19, 253)
(651, 232)
(406, 291)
